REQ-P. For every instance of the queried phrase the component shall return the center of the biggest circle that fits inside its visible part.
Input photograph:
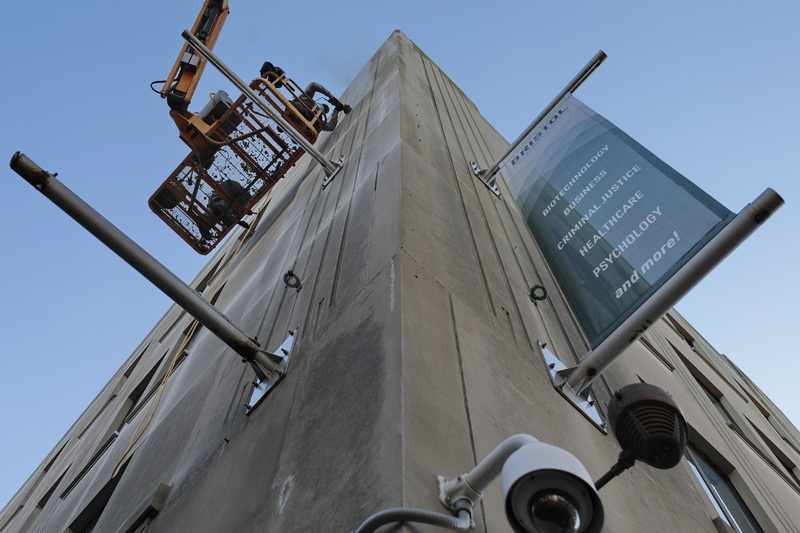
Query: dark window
(133, 402)
(789, 470)
(723, 495)
(87, 519)
(717, 403)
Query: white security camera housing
(546, 489)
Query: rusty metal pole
(133, 254)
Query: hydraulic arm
(182, 80)
(238, 152)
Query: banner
(613, 221)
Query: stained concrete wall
(416, 353)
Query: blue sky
(709, 86)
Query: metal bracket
(582, 401)
(330, 177)
(489, 184)
(263, 383)
(451, 492)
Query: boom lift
(238, 153)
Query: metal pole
(144, 263)
(595, 362)
(571, 87)
(203, 50)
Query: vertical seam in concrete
(396, 36)
(485, 149)
(356, 170)
(464, 392)
(317, 274)
(267, 308)
(299, 237)
(454, 176)
(471, 131)
(320, 200)
(338, 265)
(480, 193)
(342, 175)
(463, 381)
(562, 328)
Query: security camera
(547, 490)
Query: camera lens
(554, 512)
(546, 489)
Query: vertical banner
(613, 221)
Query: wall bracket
(583, 402)
(491, 184)
(330, 176)
(263, 383)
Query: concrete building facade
(416, 352)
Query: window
(13, 516)
(96, 457)
(172, 326)
(723, 495)
(717, 403)
(87, 519)
(176, 359)
(782, 458)
(98, 413)
(679, 329)
(789, 470)
(133, 402)
(44, 499)
(208, 278)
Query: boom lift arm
(180, 85)
(182, 80)
(238, 153)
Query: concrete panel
(353, 255)
(288, 463)
(436, 434)
(387, 214)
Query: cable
(403, 514)
(153, 83)
(161, 387)
(137, 435)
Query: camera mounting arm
(470, 486)
(544, 488)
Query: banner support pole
(580, 377)
(488, 175)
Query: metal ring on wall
(291, 280)
(538, 293)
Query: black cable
(153, 83)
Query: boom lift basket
(238, 154)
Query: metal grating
(234, 163)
